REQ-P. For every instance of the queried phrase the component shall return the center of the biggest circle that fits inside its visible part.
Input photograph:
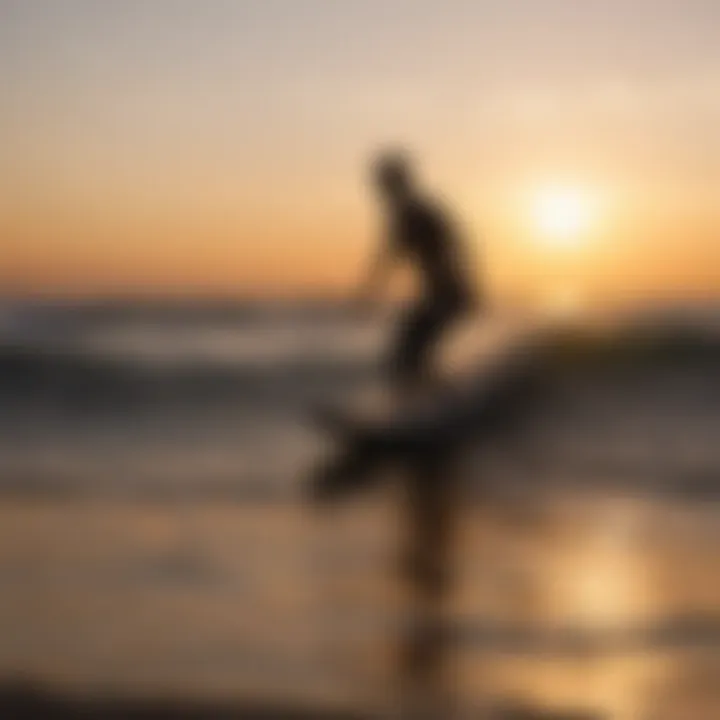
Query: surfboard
(482, 401)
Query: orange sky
(221, 148)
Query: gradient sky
(220, 146)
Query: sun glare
(562, 214)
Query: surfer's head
(392, 174)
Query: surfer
(420, 233)
(422, 448)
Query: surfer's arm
(378, 274)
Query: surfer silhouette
(420, 233)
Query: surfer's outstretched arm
(378, 274)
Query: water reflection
(525, 628)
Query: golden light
(562, 214)
(565, 303)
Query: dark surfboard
(488, 400)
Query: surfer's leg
(410, 355)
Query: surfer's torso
(422, 233)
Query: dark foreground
(20, 701)
(30, 702)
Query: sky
(221, 147)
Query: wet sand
(598, 604)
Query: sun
(562, 214)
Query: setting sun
(562, 214)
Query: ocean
(154, 536)
(142, 399)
